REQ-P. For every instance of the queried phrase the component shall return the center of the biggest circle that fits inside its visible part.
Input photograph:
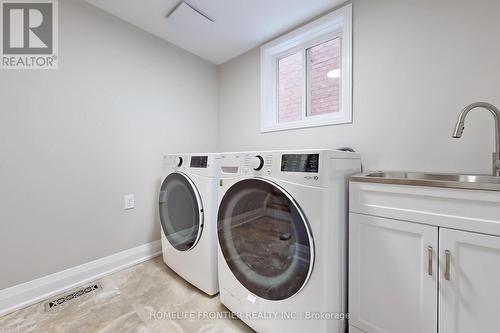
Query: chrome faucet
(459, 129)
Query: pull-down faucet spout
(459, 129)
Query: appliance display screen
(199, 161)
(300, 162)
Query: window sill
(301, 124)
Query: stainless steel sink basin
(475, 182)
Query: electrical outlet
(129, 201)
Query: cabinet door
(469, 292)
(392, 275)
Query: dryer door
(181, 211)
(265, 239)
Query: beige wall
(73, 141)
(416, 64)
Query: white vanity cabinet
(423, 259)
(393, 275)
(469, 298)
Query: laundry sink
(475, 182)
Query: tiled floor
(140, 299)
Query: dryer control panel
(199, 162)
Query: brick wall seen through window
(290, 87)
(323, 75)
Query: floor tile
(146, 298)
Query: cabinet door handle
(447, 256)
(429, 260)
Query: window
(306, 75)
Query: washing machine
(282, 247)
(188, 215)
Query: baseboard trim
(28, 293)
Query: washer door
(181, 211)
(265, 239)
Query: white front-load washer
(188, 215)
(282, 222)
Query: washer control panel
(258, 163)
(300, 163)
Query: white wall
(416, 64)
(73, 141)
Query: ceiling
(239, 26)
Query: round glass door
(265, 239)
(181, 211)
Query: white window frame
(335, 24)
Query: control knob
(257, 162)
(178, 161)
